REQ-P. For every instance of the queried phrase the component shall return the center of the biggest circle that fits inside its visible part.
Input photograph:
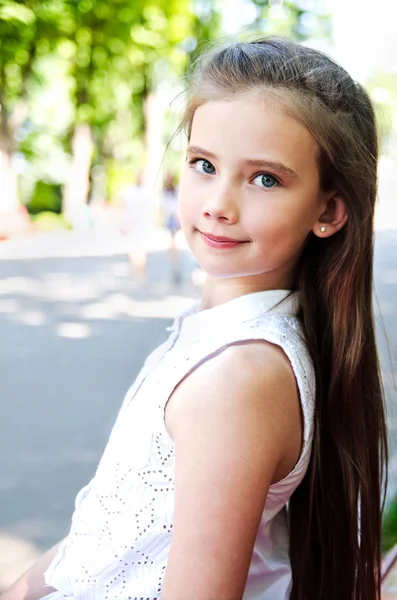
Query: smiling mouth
(216, 241)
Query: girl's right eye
(202, 166)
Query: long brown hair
(335, 514)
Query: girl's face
(249, 193)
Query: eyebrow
(252, 162)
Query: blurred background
(93, 266)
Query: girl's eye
(203, 166)
(266, 180)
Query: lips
(217, 241)
(220, 238)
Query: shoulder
(235, 425)
(258, 359)
(242, 373)
(248, 389)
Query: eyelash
(194, 161)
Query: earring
(323, 228)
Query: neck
(217, 291)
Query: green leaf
(144, 37)
(12, 11)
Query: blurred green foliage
(383, 90)
(70, 62)
(299, 19)
(47, 222)
(389, 526)
(46, 197)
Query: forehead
(254, 125)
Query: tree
(299, 19)
(115, 54)
(23, 26)
(117, 51)
(116, 47)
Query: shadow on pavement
(76, 333)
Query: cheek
(290, 214)
(281, 226)
(187, 197)
(185, 205)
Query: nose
(221, 204)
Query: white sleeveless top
(121, 529)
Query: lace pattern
(121, 529)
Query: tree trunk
(154, 147)
(9, 200)
(77, 187)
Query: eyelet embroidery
(136, 513)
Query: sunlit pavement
(75, 327)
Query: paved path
(74, 331)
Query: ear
(333, 216)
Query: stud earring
(323, 228)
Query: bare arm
(236, 426)
(30, 586)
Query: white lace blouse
(121, 529)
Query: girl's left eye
(267, 181)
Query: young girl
(246, 461)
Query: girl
(268, 392)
